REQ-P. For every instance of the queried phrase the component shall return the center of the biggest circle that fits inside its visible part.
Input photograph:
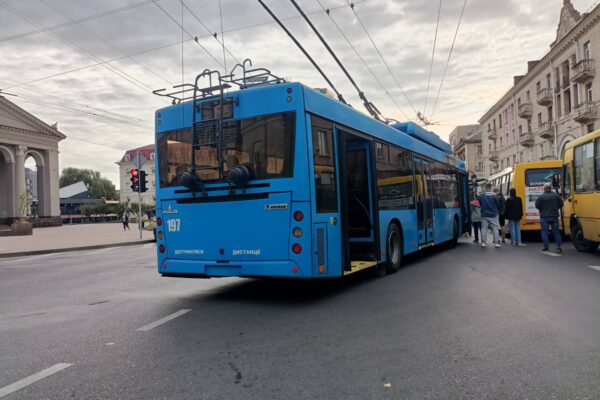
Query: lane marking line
(100, 251)
(6, 390)
(27, 258)
(551, 254)
(597, 268)
(163, 320)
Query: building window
(514, 159)
(520, 130)
(590, 128)
(528, 126)
(558, 108)
(499, 120)
(127, 157)
(567, 101)
(490, 148)
(323, 143)
(479, 150)
(539, 119)
(587, 50)
(550, 116)
(588, 93)
(528, 95)
(501, 144)
(152, 156)
(538, 87)
(521, 156)
(575, 95)
(541, 150)
(548, 80)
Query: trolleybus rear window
(264, 144)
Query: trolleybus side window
(597, 162)
(566, 188)
(584, 167)
(395, 180)
(324, 162)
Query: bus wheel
(393, 249)
(579, 240)
(454, 241)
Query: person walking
(476, 218)
(490, 204)
(501, 216)
(549, 203)
(125, 220)
(513, 211)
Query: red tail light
(296, 248)
(162, 248)
(298, 216)
(159, 221)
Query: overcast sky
(62, 74)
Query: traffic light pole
(139, 199)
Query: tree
(98, 186)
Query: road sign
(139, 160)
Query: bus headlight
(297, 232)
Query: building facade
(23, 136)
(555, 102)
(466, 145)
(126, 164)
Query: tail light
(162, 248)
(296, 248)
(159, 221)
(298, 216)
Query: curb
(69, 249)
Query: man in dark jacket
(513, 211)
(549, 203)
(489, 215)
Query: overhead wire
(222, 36)
(437, 25)
(164, 46)
(303, 50)
(375, 113)
(367, 66)
(76, 21)
(462, 11)
(194, 38)
(387, 66)
(159, 76)
(111, 68)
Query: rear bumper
(200, 269)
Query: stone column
(19, 172)
(51, 187)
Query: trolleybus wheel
(580, 242)
(393, 249)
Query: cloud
(495, 41)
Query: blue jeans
(514, 227)
(547, 223)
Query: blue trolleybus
(275, 179)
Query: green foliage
(88, 209)
(24, 204)
(98, 186)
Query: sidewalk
(71, 237)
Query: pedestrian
(501, 216)
(513, 211)
(490, 205)
(476, 218)
(125, 220)
(549, 203)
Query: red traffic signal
(135, 180)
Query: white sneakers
(483, 244)
(497, 245)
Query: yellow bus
(581, 192)
(528, 179)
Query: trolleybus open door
(424, 202)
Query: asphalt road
(469, 323)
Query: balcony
(585, 112)
(493, 156)
(526, 139)
(583, 71)
(492, 135)
(525, 110)
(545, 130)
(544, 97)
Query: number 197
(174, 225)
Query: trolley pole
(139, 196)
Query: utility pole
(139, 162)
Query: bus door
(424, 202)
(329, 248)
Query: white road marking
(149, 245)
(27, 258)
(6, 390)
(597, 268)
(163, 320)
(551, 254)
(100, 251)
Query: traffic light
(135, 180)
(143, 181)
